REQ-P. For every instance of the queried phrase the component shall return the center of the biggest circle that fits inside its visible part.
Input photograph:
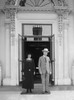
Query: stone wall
(2, 44)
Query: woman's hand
(34, 72)
(50, 72)
(22, 73)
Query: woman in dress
(29, 71)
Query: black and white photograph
(36, 49)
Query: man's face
(45, 53)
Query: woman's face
(29, 55)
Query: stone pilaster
(7, 79)
(7, 35)
(10, 17)
(60, 26)
(60, 50)
(13, 65)
(63, 77)
(66, 52)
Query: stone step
(38, 88)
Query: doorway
(34, 44)
(35, 48)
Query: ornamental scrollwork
(10, 15)
(41, 3)
(10, 2)
(62, 3)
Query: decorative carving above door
(37, 3)
(42, 3)
(10, 2)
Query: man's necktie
(45, 60)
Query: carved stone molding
(10, 2)
(12, 18)
(62, 3)
(60, 28)
(10, 15)
(42, 3)
(62, 18)
(65, 24)
(37, 5)
(60, 8)
(2, 11)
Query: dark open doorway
(35, 48)
(34, 44)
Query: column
(13, 61)
(66, 53)
(7, 34)
(10, 62)
(7, 79)
(60, 51)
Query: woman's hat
(45, 50)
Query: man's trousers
(45, 81)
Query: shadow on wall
(72, 73)
(1, 74)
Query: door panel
(52, 57)
(20, 56)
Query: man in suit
(45, 70)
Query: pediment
(37, 5)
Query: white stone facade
(11, 20)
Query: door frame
(33, 37)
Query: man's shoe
(30, 91)
(47, 92)
(27, 91)
(43, 92)
(22, 92)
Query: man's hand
(22, 73)
(40, 72)
(50, 72)
(34, 73)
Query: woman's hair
(28, 54)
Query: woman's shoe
(27, 91)
(43, 92)
(30, 91)
(23, 92)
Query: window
(37, 31)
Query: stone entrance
(56, 15)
